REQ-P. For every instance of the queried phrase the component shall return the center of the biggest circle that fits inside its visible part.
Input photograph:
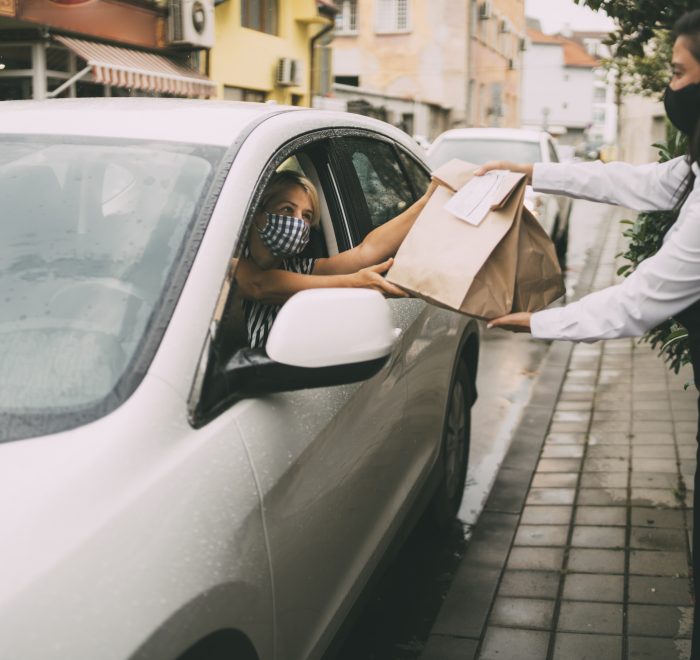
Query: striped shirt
(260, 316)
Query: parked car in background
(166, 492)
(479, 145)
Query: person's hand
(523, 168)
(518, 322)
(371, 278)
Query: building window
(599, 94)
(242, 94)
(346, 18)
(260, 15)
(393, 16)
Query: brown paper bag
(506, 264)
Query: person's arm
(652, 187)
(275, 286)
(380, 244)
(663, 285)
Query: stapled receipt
(475, 199)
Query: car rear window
(480, 151)
(91, 232)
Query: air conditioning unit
(289, 72)
(522, 43)
(485, 10)
(511, 65)
(504, 26)
(191, 23)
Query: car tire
(454, 454)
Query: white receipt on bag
(474, 200)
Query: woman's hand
(371, 278)
(518, 322)
(523, 168)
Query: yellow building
(272, 50)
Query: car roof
(180, 120)
(521, 134)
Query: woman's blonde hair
(282, 179)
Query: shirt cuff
(548, 176)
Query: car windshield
(91, 234)
(481, 150)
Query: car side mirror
(320, 338)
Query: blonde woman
(272, 270)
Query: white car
(479, 145)
(166, 492)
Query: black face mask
(683, 107)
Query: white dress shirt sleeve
(652, 187)
(661, 286)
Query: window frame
(250, 7)
(346, 18)
(386, 17)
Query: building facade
(568, 91)
(53, 48)
(272, 50)
(420, 64)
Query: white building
(566, 90)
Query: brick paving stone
(562, 451)
(647, 538)
(659, 590)
(514, 644)
(643, 438)
(577, 616)
(559, 465)
(555, 480)
(655, 465)
(663, 480)
(648, 648)
(594, 588)
(612, 438)
(653, 415)
(616, 464)
(530, 584)
(598, 537)
(541, 535)
(601, 515)
(608, 451)
(652, 562)
(646, 426)
(654, 451)
(572, 416)
(616, 414)
(651, 405)
(568, 427)
(573, 405)
(591, 560)
(687, 451)
(659, 620)
(604, 480)
(577, 646)
(602, 496)
(686, 439)
(566, 439)
(654, 517)
(536, 559)
(655, 497)
(546, 515)
(551, 496)
(522, 612)
(611, 427)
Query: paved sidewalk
(583, 548)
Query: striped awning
(124, 67)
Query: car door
(381, 181)
(322, 469)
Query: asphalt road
(396, 620)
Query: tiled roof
(575, 55)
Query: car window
(91, 233)
(479, 151)
(383, 182)
(553, 156)
(416, 173)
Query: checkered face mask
(284, 235)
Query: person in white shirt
(666, 284)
